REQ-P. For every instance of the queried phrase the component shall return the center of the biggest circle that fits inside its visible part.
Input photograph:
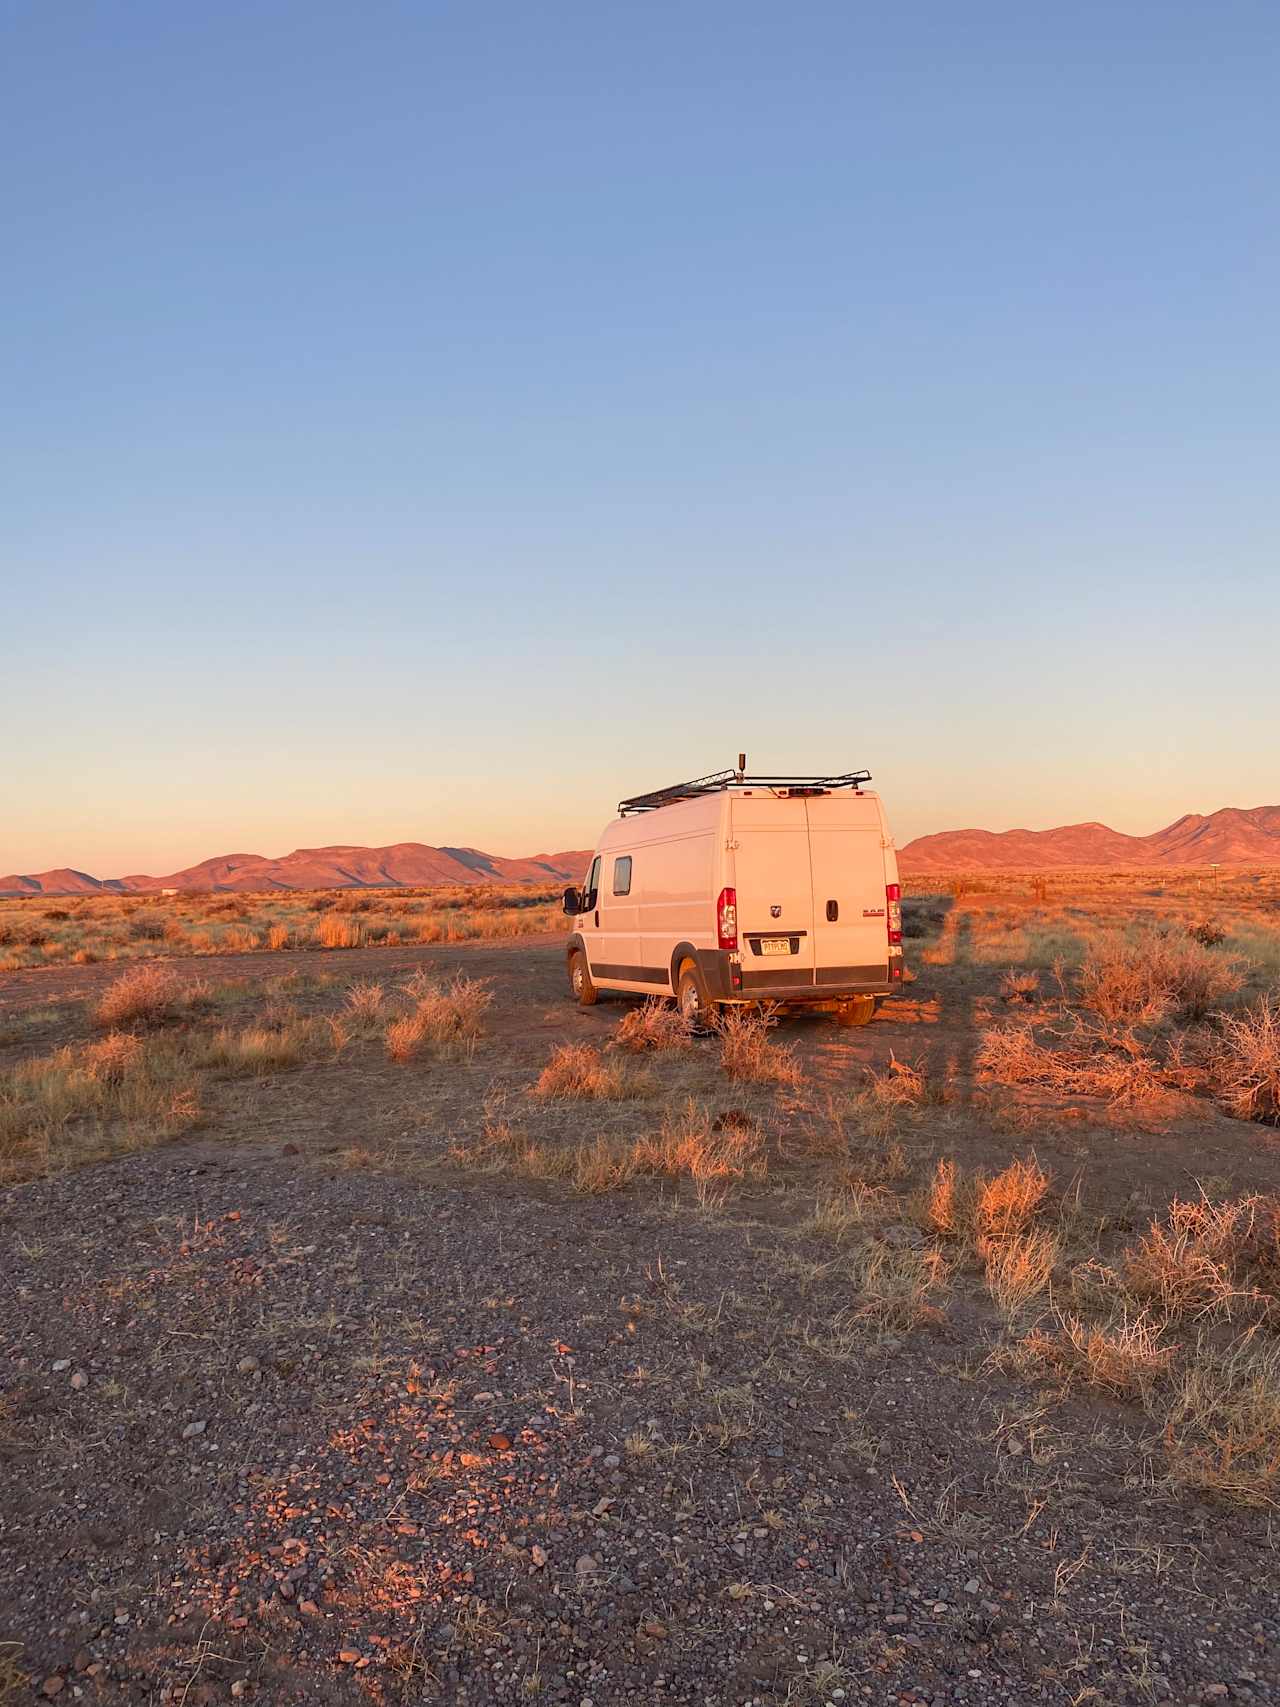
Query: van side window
(592, 889)
(622, 875)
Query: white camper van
(737, 888)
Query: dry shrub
(364, 999)
(1220, 1422)
(655, 1025)
(700, 1147)
(942, 1208)
(1153, 975)
(1208, 933)
(1124, 1356)
(747, 1053)
(1019, 1268)
(1016, 986)
(111, 1057)
(445, 1017)
(277, 937)
(1209, 1258)
(332, 932)
(1004, 1205)
(1082, 1060)
(144, 997)
(1243, 1062)
(576, 1070)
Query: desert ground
(376, 1325)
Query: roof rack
(720, 780)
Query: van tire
(858, 1010)
(585, 993)
(692, 997)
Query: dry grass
(14, 1683)
(696, 1145)
(364, 999)
(691, 1145)
(1003, 1206)
(1243, 1062)
(1155, 974)
(1208, 1258)
(577, 1071)
(446, 1018)
(895, 1287)
(147, 996)
(1079, 1060)
(1019, 986)
(749, 1054)
(1220, 1421)
(1019, 1268)
(333, 932)
(1124, 1356)
(655, 1026)
(83, 1102)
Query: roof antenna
(742, 765)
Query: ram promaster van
(737, 888)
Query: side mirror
(572, 902)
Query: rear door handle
(597, 921)
(833, 911)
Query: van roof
(719, 781)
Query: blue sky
(431, 422)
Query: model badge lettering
(873, 912)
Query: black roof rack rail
(720, 780)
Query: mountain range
(1232, 836)
(404, 864)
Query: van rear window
(622, 875)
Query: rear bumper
(729, 981)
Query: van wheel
(585, 992)
(691, 996)
(859, 1010)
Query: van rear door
(846, 847)
(769, 837)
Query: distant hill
(403, 865)
(1232, 836)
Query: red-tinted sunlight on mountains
(403, 865)
(1232, 836)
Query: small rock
(239, 1687)
(61, 1364)
(52, 1685)
(538, 1555)
(611, 1461)
(248, 1366)
(500, 1442)
(972, 1586)
(348, 1656)
(585, 1566)
(193, 1429)
(79, 1380)
(309, 1607)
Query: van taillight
(727, 918)
(893, 910)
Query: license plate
(775, 945)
